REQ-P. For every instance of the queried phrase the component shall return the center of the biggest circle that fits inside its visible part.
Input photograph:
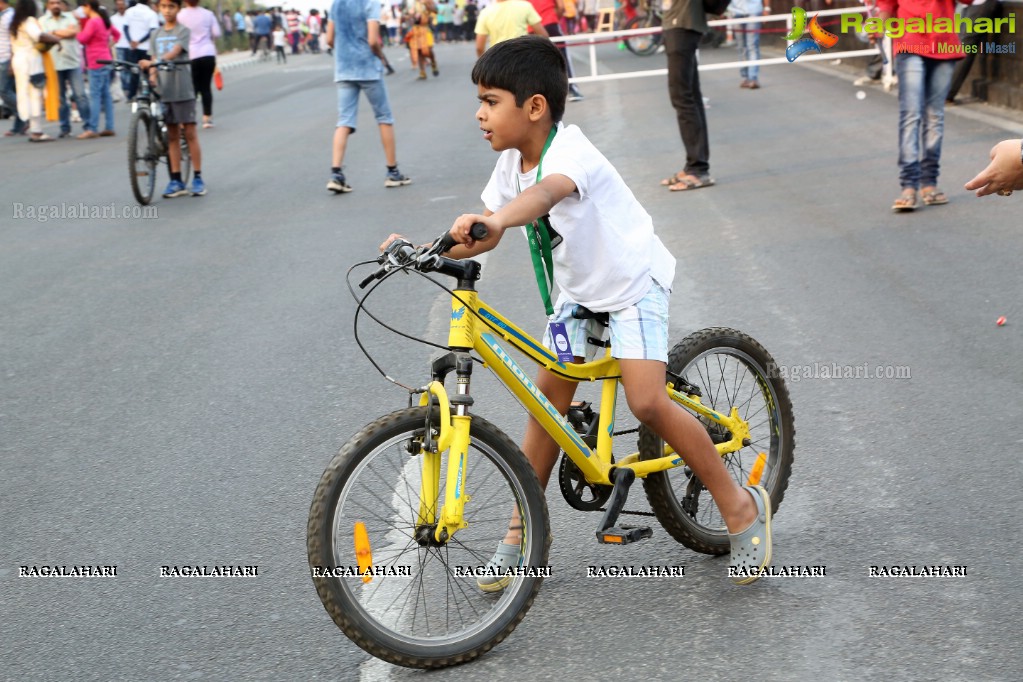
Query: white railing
(592, 39)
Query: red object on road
(1000, 321)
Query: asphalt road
(173, 387)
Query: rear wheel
(433, 615)
(142, 156)
(730, 369)
(643, 45)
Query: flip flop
(751, 549)
(688, 182)
(906, 201)
(673, 180)
(42, 138)
(933, 197)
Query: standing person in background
(550, 12)
(353, 32)
(262, 26)
(27, 65)
(571, 17)
(294, 32)
(280, 43)
(203, 29)
(588, 8)
(121, 48)
(67, 63)
(170, 44)
(249, 30)
(685, 22)
(979, 8)
(227, 24)
(472, 13)
(504, 20)
(924, 63)
(422, 41)
(315, 29)
(96, 38)
(445, 11)
(241, 26)
(7, 92)
(747, 39)
(139, 23)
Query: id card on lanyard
(539, 235)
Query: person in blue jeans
(924, 63)
(67, 63)
(353, 33)
(747, 39)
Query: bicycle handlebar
(132, 66)
(401, 254)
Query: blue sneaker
(338, 184)
(396, 179)
(198, 187)
(176, 188)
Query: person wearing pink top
(924, 63)
(202, 50)
(96, 38)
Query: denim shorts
(348, 102)
(639, 332)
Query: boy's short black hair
(526, 66)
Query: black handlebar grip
(478, 231)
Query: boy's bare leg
(193, 147)
(174, 147)
(341, 134)
(539, 448)
(387, 139)
(644, 389)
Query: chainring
(577, 491)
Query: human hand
(391, 239)
(461, 230)
(144, 64)
(1005, 172)
(134, 45)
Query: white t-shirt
(140, 21)
(609, 250)
(119, 21)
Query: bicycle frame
(477, 326)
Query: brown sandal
(687, 182)
(906, 201)
(673, 180)
(932, 196)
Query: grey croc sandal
(751, 549)
(506, 556)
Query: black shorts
(179, 112)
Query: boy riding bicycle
(169, 43)
(606, 257)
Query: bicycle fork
(433, 528)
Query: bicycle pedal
(623, 535)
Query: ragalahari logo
(817, 39)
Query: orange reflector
(612, 538)
(363, 552)
(758, 469)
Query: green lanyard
(540, 240)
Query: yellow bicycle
(408, 513)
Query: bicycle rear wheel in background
(141, 156)
(643, 45)
(435, 616)
(731, 370)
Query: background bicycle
(147, 135)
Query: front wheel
(730, 369)
(142, 156)
(426, 610)
(643, 45)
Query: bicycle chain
(634, 513)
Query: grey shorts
(179, 112)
